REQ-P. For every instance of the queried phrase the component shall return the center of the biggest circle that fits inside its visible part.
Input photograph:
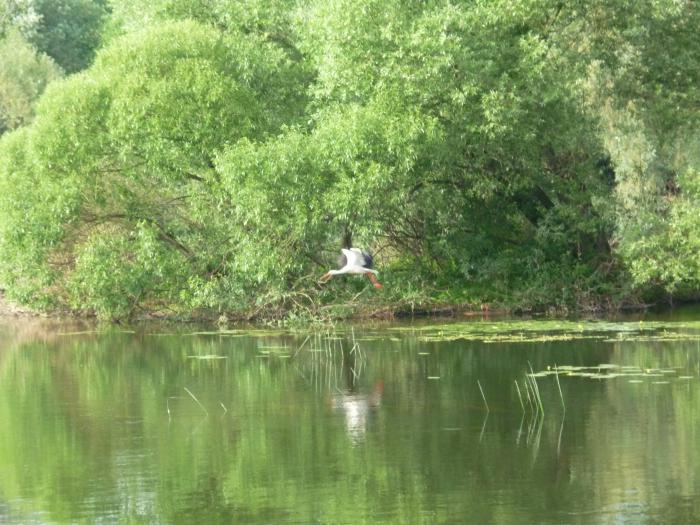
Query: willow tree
(502, 184)
(643, 88)
(563, 136)
(110, 197)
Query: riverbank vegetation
(212, 156)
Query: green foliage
(20, 15)
(120, 156)
(24, 74)
(36, 208)
(507, 166)
(118, 271)
(641, 88)
(69, 31)
(523, 153)
(667, 253)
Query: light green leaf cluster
(24, 74)
(116, 272)
(668, 254)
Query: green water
(373, 425)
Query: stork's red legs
(374, 280)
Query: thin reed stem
(482, 395)
(520, 397)
(561, 395)
(527, 391)
(536, 388)
(196, 400)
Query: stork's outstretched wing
(353, 257)
(368, 260)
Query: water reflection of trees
(329, 433)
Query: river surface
(484, 421)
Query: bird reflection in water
(357, 405)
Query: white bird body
(355, 262)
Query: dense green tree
(643, 87)
(509, 176)
(24, 74)
(112, 165)
(69, 31)
(20, 15)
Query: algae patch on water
(607, 371)
(543, 331)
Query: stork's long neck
(338, 272)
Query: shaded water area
(382, 424)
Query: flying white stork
(357, 262)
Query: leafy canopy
(217, 154)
